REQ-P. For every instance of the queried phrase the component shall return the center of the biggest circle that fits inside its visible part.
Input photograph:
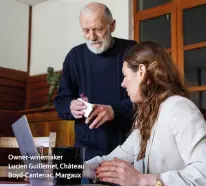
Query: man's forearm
(124, 110)
(62, 105)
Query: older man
(94, 69)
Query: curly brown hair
(161, 80)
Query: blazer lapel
(149, 144)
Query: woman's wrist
(149, 179)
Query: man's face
(97, 32)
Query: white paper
(89, 108)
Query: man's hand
(76, 108)
(102, 113)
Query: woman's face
(132, 81)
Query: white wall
(13, 34)
(56, 29)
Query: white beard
(104, 45)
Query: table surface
(2, 183)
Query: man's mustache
(93, 42)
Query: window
(199, 98)
(180, 26)
(195, 67)
(194, 25)
(145, 4)
(150, 30)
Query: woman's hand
(120, 172)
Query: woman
(168, 141)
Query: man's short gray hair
(107, 12)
